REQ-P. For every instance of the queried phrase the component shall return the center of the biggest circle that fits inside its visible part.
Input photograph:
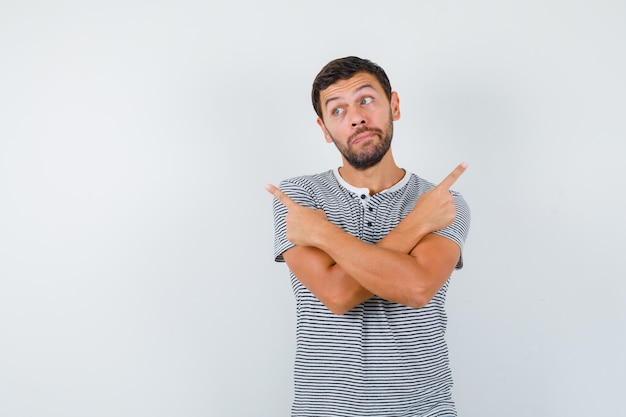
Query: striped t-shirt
(380, 358)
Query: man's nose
(357, 119)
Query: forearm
(386, 269)
(406, 235)
(402, 239)
(330, 282)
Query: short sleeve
(299, 194)
(459, 229)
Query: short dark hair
(343, 69)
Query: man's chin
(362, 165)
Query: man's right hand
(302, 222)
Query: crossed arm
(408, 266)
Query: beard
(370, 153)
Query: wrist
(324, 233)
(417, 225)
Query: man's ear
(321, 124)
(395, 106)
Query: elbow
(339, 304)
(417, 303)
(338, 310)
(418, 298)
(337, 307)
(423, 288)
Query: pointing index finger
(280, 196)
(453, 176)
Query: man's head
(356, 110)
(343, 69)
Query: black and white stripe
(381, 358)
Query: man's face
(358, 118)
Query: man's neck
(381, 176)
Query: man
(370, 248)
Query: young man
(370, 248)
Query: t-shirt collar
(366, 191)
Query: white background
(136, 240)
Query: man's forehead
(352, 85)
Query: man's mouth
(363, 137)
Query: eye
(366, 100)
(338, 111)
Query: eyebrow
(356, 90)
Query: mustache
(363, 130)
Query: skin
(410, 264)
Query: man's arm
(408, 266)
(330, 283)
(409, 279)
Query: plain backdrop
(136, 239)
